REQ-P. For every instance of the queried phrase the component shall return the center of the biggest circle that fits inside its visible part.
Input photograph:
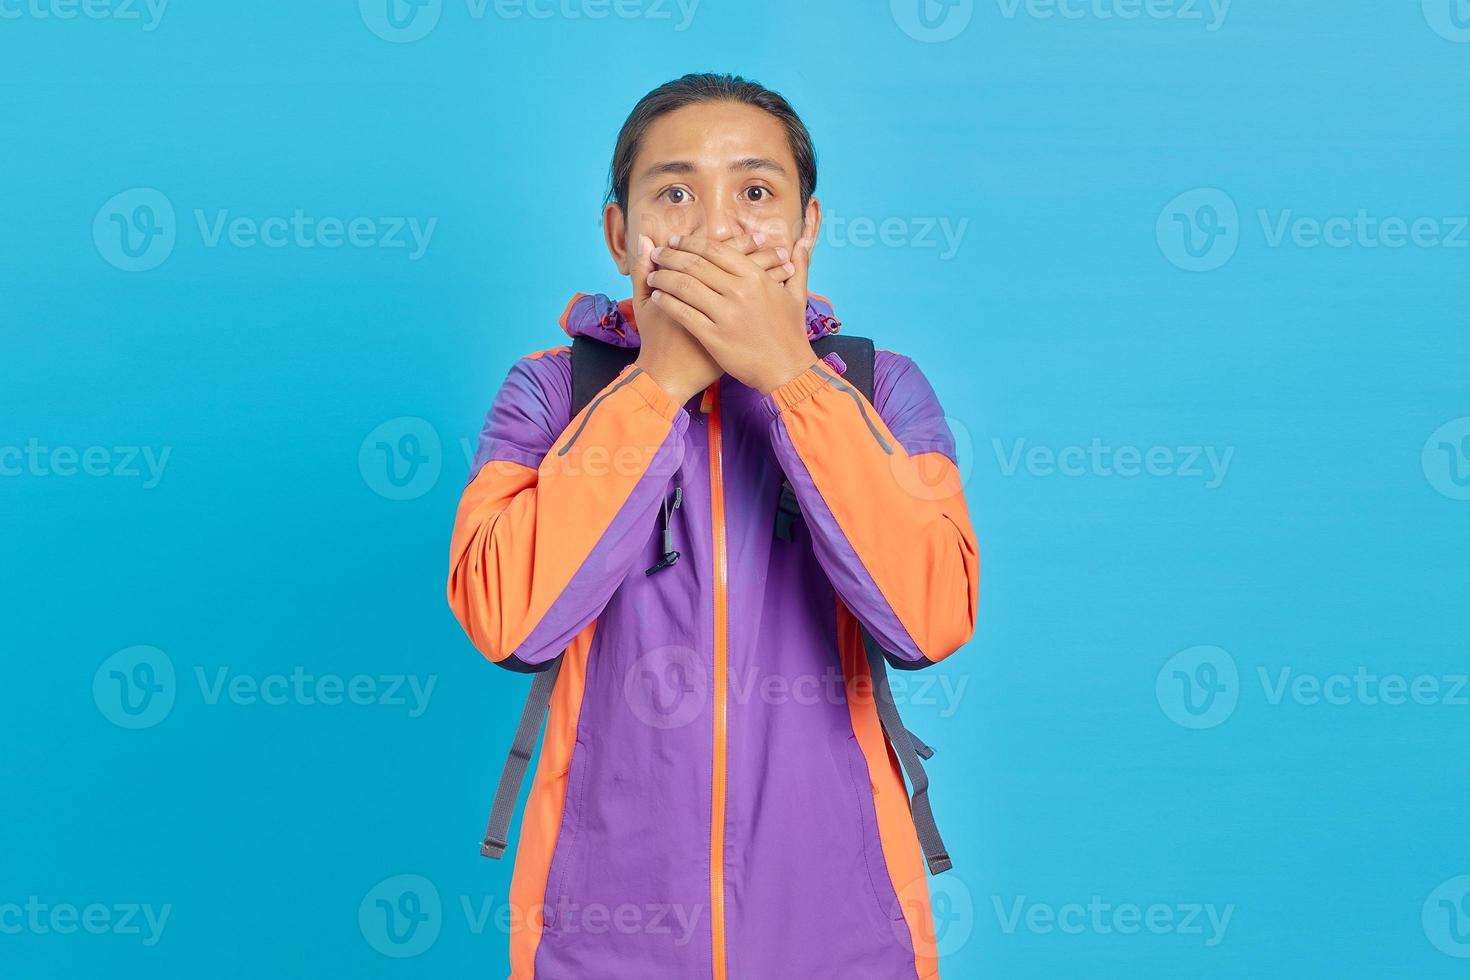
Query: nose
(720, 224)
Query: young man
(715, 796)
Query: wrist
(676, 384)
(787, 370)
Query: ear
(615, 230)
(811, 225)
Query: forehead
(712, 135)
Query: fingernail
(656, 253)
(645, 244)
(789, 267)
(759, 238)
(656, 295)
(649, 279)
(675, 240)
(782, 254)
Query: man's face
(717, 170)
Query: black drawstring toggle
(670, 555)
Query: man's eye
(676, 195)
(757, 194)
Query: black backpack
(594, 365)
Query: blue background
(1069, 767)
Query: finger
(683, 314)
(748, 243)
(776, 263)
(698, 266)
(720, 253)
(642, 266)
(801, 259)
(771, 258)
(687, 288)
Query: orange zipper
(717, 795)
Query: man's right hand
(668, 353)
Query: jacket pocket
(567, 860)
(884, 898)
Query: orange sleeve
(541, 544)
(882, 497)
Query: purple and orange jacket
(715, 796)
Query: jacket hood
(601, 318)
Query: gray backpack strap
(858, 355)
(533, 716)
(594, 365)
(909, 751)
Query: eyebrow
(758, 163)
(684, 167)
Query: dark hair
(708, 87)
